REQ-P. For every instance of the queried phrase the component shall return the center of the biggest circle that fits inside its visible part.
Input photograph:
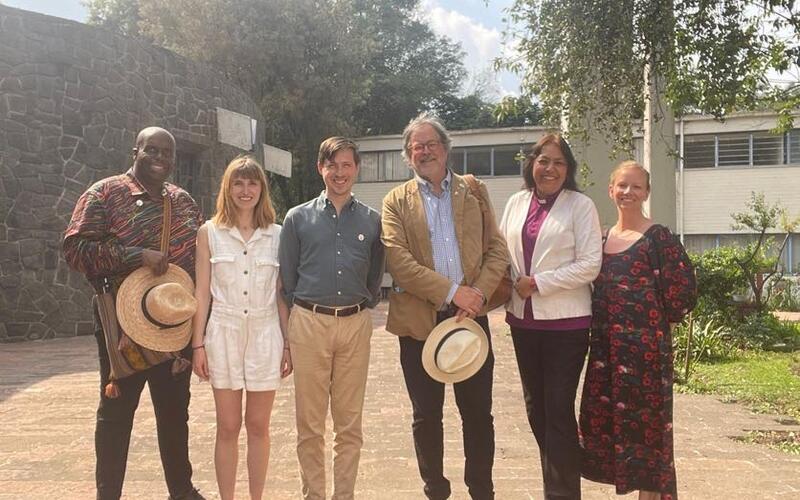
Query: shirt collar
(324, 202)
(428, 186)
(136, 187)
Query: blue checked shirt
(439, 214)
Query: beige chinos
(331, 361)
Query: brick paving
(48, 396)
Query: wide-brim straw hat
(156, 311)
(455, 351)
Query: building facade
(723, 162)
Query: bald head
(151, 131)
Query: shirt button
(340, 272)
(447, 239)
(245, 292)
(339, 293)
(334, 216)
(338, 252)
(245, 311)
(338, 234)
(245, 252)
(245, 272)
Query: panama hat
(455, 351)
(156, 311)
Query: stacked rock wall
(72, 99)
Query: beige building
(723, 162)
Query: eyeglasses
(430, 146)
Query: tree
(755, 264)
(316, 68)
(587, 60)
(513, 111)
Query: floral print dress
(626, 407)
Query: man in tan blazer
(433, 234)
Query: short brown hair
(245, 167)
(332, 145)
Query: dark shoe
(192, 495)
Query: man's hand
(468, 300)
(155, 261)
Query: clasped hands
(469, 301)
(525, 286)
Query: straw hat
(455, 351)
(156, 311)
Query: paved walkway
(48, 396)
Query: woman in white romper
(243, 345)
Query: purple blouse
(537, 213)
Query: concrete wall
(72, 98)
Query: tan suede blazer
(418, 290)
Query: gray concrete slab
(49, 390)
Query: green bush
(710, 341)
(784, 295)
(718, 278)
(766, 332)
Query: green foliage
(718, 278)
(766, 332)
(513, 111)
(710, 342)
(586, 61)
(121, 16)
(784, 295)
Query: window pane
(479, 161)
(505, 162)
(794, 147)
(368, 170)
(699, 243)
(767, 148)
(456, 160)
(395, 167)
(698, 151)
(734, 150)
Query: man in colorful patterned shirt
(115, 229)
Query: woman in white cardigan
(554, 238)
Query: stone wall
(72, 99)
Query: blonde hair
(245, 167)
(628, 164)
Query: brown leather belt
(339, 312)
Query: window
(368, 170)
(738, 149)
(506, 162)
(479, 161)
(383, 166)
(456, 160)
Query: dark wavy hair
(572, 164)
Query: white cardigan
(566, 258)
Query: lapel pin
(360, 237)
(139, 203)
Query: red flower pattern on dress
(626, 408)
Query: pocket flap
(267, 262)
(223, 258)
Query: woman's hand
(200, 363)
(525, 286)
(286, 362)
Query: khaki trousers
(331, 358)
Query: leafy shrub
(784, 295)
(710, 342)
(766, 332)
(718, 278)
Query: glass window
(456, 160)
(368, 170)
(734, 150)
(479, 161)
(395, 167)
(698, 151)
(506, 162)
(699, 243)
(794, 245)
(767, 148)
(793, 149)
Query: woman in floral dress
(646, 283)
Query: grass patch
(786, 441)
(766, 382)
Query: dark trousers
(474, 401)
(170, 396)
(550, 364)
